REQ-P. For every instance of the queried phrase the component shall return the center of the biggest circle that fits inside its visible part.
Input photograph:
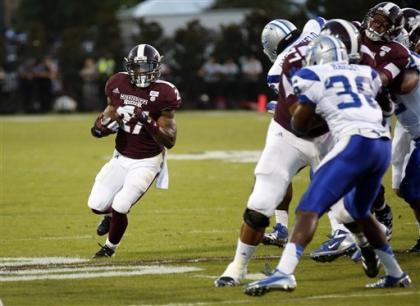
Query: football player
(284, 153)
(406, 141)
(141, 111)
(342, 242)
(381, 26)
(343, 95)
(277, 37)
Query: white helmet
(326, 49)
(276, 36)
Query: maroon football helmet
(143, 65)
(346, 32)
(383, 22)
(412, 25)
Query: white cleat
(276, 281)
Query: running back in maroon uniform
(141, 110)
(132, 139)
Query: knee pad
(255, 219)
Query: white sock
(282, 217)
(110, 244)
(243, 253)
(290, 258)
(334, 224)
(389, 262)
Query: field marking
(241, 156)
(288, 299)
(84, 273)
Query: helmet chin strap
(142, 81)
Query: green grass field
(48, 164)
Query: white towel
(162, 181)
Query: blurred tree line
(64, 27)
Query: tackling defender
(283, 156)
(343, 95)
(381, 25)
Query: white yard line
(293, 300)
(139, 270)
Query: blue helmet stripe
(282, 26)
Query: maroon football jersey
(390, 57)
(293, 61)
(132, 139)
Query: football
(318, 127)
(109, 115)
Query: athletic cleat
(225, 281)
(340, 244)
(415, 248)
(277, 281)
(103, 226)
(104, 252)
(232, 276)
(391, 282)
(370, 261)
(277, 237)
(384, 216)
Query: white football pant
(122, 181)
(283, 156)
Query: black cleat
(225, 281)
(103, 226)
(104, 252)
(415, 248)
(384, 216)
(370, 262)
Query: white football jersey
(311, 30)
(344, 95)
(408, 106)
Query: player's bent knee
(125, 199)
(255, 219)
(98, 212)
(98, 203)
(121, 209)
